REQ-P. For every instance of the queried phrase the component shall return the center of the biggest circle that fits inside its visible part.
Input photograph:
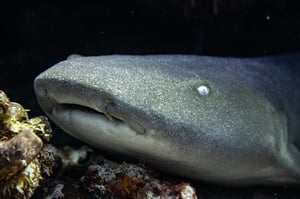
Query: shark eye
(203, 90)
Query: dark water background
(35, 35)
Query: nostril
(41, 87)
(43, 92)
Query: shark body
(225, 120)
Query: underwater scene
(150, 99)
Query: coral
(70, 156)
(86, 174)
(57, 191)
(22, 156)
(105, 178)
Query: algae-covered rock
(22, 164)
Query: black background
(35, 35)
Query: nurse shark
(224, 120)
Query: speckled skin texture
(245, 131)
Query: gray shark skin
(226, 120)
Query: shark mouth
(71, 115)
(104, 115)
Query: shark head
(195, 116)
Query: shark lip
(72, 107)
(78, 119)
